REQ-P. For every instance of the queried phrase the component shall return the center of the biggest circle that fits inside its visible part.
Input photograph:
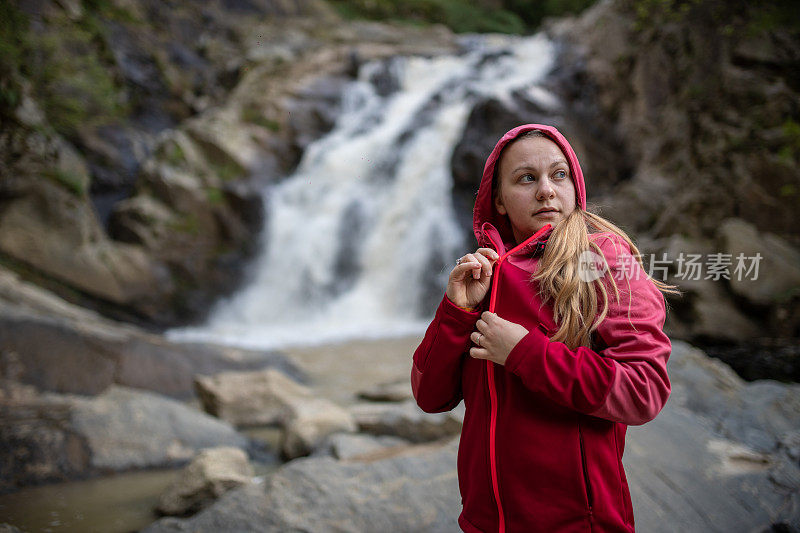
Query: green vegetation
(68, 180)
(12, 51)
(254, 116)
(68, 64)
(790, 151)
(462, 16)
(760, 16)
(70, 79)
(172, 154)
(215, 196)
(186, 223)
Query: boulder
(55, 437)
(407, 420)
(212, 473)
(410, 489)
(353, 445)
(60, 347)
(56, 232)
(250, 398)
(778, 276)
(309, 421)
(391, 391)
(759, 414)
(706, 310)
(270, 397)
(126, 428)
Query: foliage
(67, 62)
(254, 116)
(68, 180)
(502, 16)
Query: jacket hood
(485, 211)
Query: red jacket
(543, 435)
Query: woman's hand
(495, 338)
(469, 281)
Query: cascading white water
(349, 235)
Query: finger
(475, 265)
(489, 254)
(482, 326)
(485, 263)
(478, 353)
(465, 267)
(474, 336)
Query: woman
(554, 350)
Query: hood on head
(485, 210)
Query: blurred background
(225, 225)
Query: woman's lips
(545, 213)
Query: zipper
(501, 527)
(585, 472)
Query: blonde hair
(579, 307)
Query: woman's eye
(526, 177)
(561, 174)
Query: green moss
(173, 154)
(790, 151)
(460, 15)
(227, 171)
(254, 116)
(788, 189)
(215, 196)
(186, 223)
(68, 180)
(71, 80)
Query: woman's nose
(545, 189)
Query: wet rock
(778, 276)
(407, 421)
(127, 428)
(250, 398)
(393, 391)
(706, 310)
(59, 347)
(354, 445)
(309, 421)
(759, 414)
(212, 473)
(55, 437)
(270, 397)
(48, 225)
(411, 489)
(38, 442)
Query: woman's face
(535, 186)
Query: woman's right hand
(470, 279)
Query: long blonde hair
(579, 307)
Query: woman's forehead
(534, 151)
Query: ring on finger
(480, 338)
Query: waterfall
(352, 234)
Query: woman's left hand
(495, 338)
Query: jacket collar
(490, 237)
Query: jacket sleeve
(627, 381)
(436, 367)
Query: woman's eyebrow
(530, 167)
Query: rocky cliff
(136, 135)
